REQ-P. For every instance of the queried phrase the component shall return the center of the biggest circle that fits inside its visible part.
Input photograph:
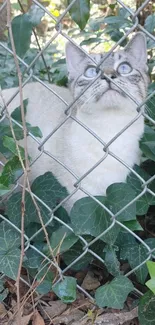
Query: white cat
(103, 108)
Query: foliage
(151, 283)
(88, 218)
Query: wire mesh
(87, 246)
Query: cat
(104, 108)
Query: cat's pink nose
(111, 73)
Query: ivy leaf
(46, 276)
(146, 310)
(125, 243)
(76, 251)
(61, 240)
(4, 189)
(136, 255)
(149, 24)
(47, 188)
(33, 259)
(114, 294)
(111, 262)
(147, 143)
(73, 253)
(92, 219)
(34, 130)
(3, 292)
(13, 210)
(151, 283)
(10, 144)
(142, 204)
(66, 289)
(5, 130)
(35, 14)
(22, 31)
(11, 171)
(16, 114)
(22, 26)
(80, 12)
(9, 252)
(133, 225)
(118, 196)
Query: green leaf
(80, 12)
(73, 253)
(151, 283)
(46, 285)
(10, 144)
(13, 210)
(150, 103)
(66, 289)
(33, 259)
(146, 310)
(16, 114)
(125, 242)
(34, 130)
(3, 292)
(118, 196)
(117, 20)
(133, 252)
(11, 171)
(47, 188)
(111, 262)
(92, 219)
(149, 24)
(9, 252)
(22, 27)
(147, 143)
(35, 14)
(142, 204)
(62, 239)
(136, 255)
(22, 31)
(6, 130)
(114, 294)
(151, 268)
(133, 225)
(4, 190)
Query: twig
(36, 37)
(26, 167)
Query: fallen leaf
(56, 308)
(3, 311)
(37, 319)
(90, 282)
(67, 319)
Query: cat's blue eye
(124, 68)
(91, 72)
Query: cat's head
(127, 68)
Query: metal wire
(113, 218)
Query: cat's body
(105, 111)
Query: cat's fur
(102, 108)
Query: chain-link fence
(87, 246)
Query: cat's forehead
(109, 60)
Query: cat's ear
(137, 48)
(74, 58)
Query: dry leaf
(90, 282)
(56, 308)
(3, 311)
(68, 318)
(37, 319)
(24, 320)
